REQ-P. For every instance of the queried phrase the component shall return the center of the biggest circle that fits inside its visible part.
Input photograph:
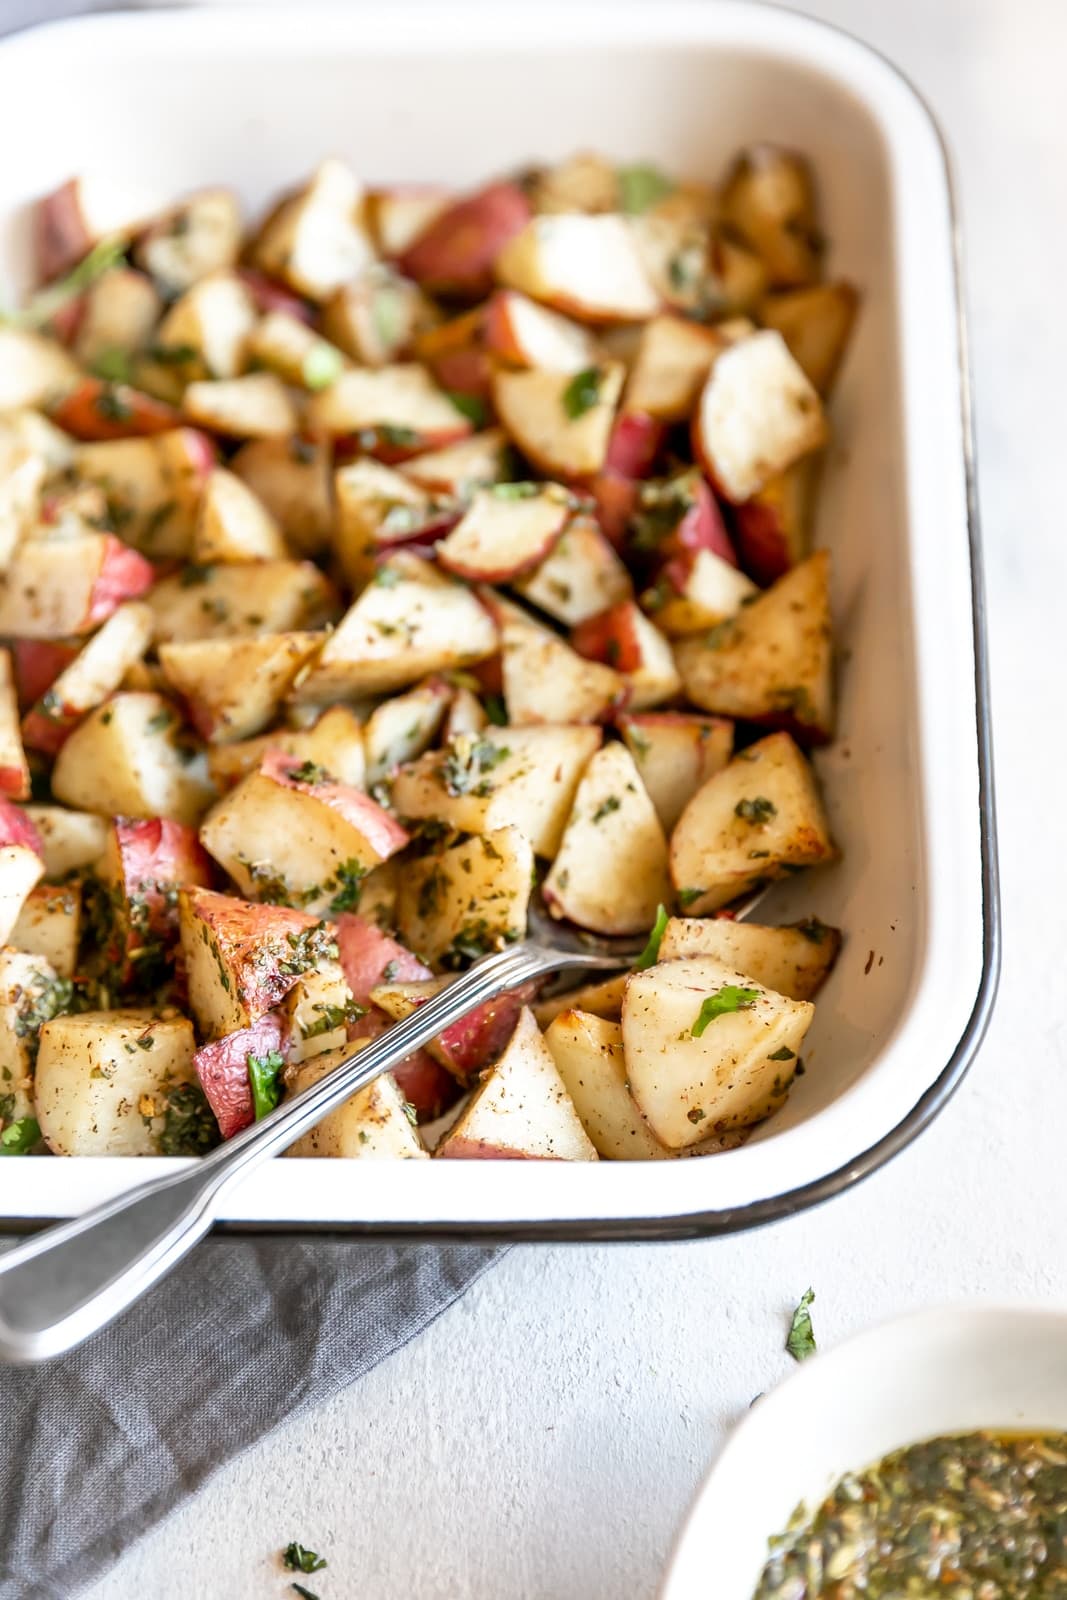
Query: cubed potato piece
(234, 525)
(756, 820)
(33, 432)
(376, 319)
(600, 999)
(525, 777)
(401, 402)
(794, 960)
(44, 595)
(14, 772)
(71, 841)
(261, 597)
(401, 728)
(545, 681)
(589, 1057)
(769, 198)
(292, 479)
(521, 1111)
(283, 343)
(233, 688)
(580, 577)
(375, 1125)
(21, 864)
(95, 673)
(469, 899)
(34, 370)
(523, 334)
(412, 621)
(334, 741)
(561, 423)
(257, 406)
(456, 251)
(773, 663)
(816, 324)
(143, 866)
(612, 821)
(377, 510)
(466, 715)
(758, 414)
(454, 351)
(676, 753)
(467, 1046)
(83, 212)
(370, 957)
(401, 213)
(672, 366)
(199, 237)
(119, 312)
(584, 182)
(318, 1009)
(317, 240)
(707, 1049)
(205, 334)
(773, 530)
(222, 1065)
(291, 832)
(107, 1085)
(589, 267)
(128, 758)
(50, 925)
(637, 651)
(695, 593)
(505, 531)
(22, 475)
(153, 487)
(31, 993)
(457, 469)
(243, 959)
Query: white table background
(544, 1437)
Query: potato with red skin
(96, 410)
(675, 753)
(773, 530)
(456, 252)
(270, 295)
(44, 596)
(37, 665)
(69, 221)
(615, 498)
(222, 1067)
(636, 440)
(21, 864)
(242, 959)
(426, 1084)
(456, 355)
(14, 772)
(97, 671)
(472, 1043)
(145, 862)
(523, 334)
(370, 957)
(623, 637)
(675, 517)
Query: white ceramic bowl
(454, 92)
(934, 1372)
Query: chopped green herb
(387, 577)
(469, 406)
(411, 1114)
(720, 635)
(348, 882)
(297, 1559)
(322, 365)
(650, 954)
(44, 305)
(496, 710)
(731, 997)
(115, 366)
(399, 438)
(687, 896)
(784, 1054)
(387, 313)
(189, 1126)
(305, 1594)
(641, 187)
(309, 772)
(467, 761)
(515, 491)
(20, 1137)
(389, 972)
(113, 405)
(159, 722)
(264, 1077)
(759, 810)
(173, 355)
(195, 573)
(812, 929)
(801, 1340)
(582, 393)
(606, 807)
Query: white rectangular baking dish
(178, 99)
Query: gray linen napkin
(101, 1444)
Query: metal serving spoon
(67, 1281)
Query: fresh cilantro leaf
(264, 1078)
(20, 1137)
(720, 1004)
(322, 365)
(297, 1559)
(801, 1340)
(641, 187)
(759, 810)
(650, 954)
(582, 393)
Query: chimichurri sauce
(980, 1516)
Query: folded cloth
(101, 1444)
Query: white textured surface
(544, 1438)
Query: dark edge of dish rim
(759, 1213)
